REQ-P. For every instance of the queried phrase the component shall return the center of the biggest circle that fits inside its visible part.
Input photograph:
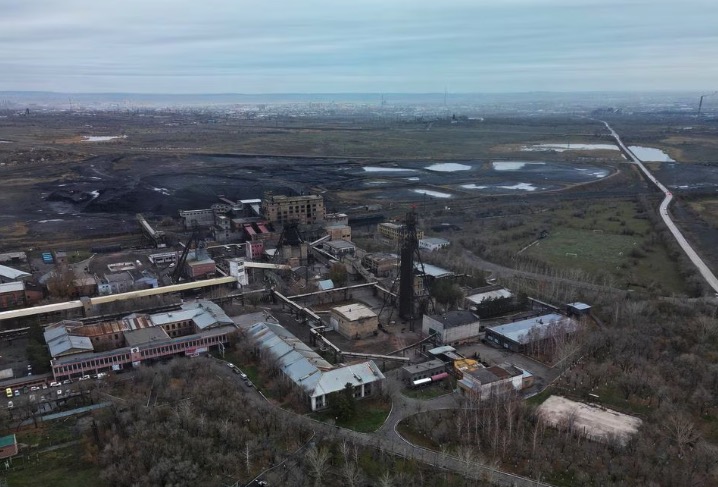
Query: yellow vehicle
(8, 392)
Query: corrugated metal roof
(495, 294)
(10, 273)
(304, 366)
(10, 287)
(60, 342)
(519, 330)
(432, 270)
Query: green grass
(607, 238)
(610, 397)
(371, 414)
(539, 398)
(58, 468)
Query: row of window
(103, 362)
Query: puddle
(513, 165)
(386, 169)
(448, 167)
(101, 138)
(650, 154)
(565, 147)
(429, 192)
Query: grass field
(612, 238)
(707, 209)
(59, 468)
(371, 414)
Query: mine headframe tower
(409, 306)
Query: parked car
(84, 377)
(102, 375)
(67, 381)
(55, 384)
(10, 404)
(8, 392)
(34, 388)
(243, 375)
(59, 392)
(17, 392)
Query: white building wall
(461, 333)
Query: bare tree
(318, 460)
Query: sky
(364, 46)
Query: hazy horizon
(321, 46)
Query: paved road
(697, 261)
(388, 440)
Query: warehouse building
(354, 321)
(521, 335)
(308, 371)
(78, 349)
(381, 264)
(451, 327)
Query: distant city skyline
(372, 46)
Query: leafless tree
(318, 460)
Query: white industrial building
(451, 327)
(433, 243)
(310, 373)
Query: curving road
(697, 261)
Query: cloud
(328, 46)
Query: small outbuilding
(354, 321)
(433, 243)
(578, 309)
(8, 446)
(424, 370)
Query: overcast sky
(312, 46)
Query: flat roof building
(410, 373)
(396, 231)
(433, 243)
(354, 321)
(451, 327)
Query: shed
(578, 309)
(517, 336)
(8, 446)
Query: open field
(595, 422)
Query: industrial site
(418, 306)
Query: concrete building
(339, 232)
(303, 209)
(354, 321)
(78, 349)
(484, 383)
(381, 264)
(200, 218)
(341, 219)
(340, 248)
(424, 370)
(520, 335)
(433, 243)
(394, 231)
(451, 327)
(308, 371)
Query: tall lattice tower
(409, 250)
